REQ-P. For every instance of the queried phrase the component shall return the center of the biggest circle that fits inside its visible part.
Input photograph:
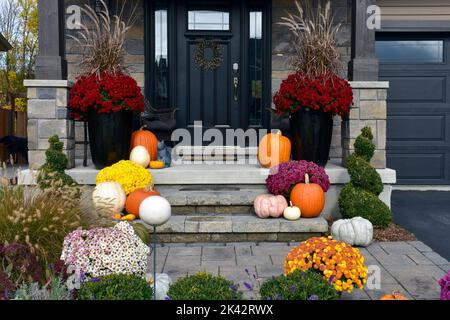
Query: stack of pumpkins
(146, 203)
(144, 149)
(307, 200)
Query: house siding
(415, 10)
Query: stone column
(47, 116)
(50, 62)
(369, 109)
(363, 65)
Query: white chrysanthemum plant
(105, 251)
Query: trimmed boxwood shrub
(364, 147)
(356, 202)
(359, 198)
(363, 175)
(203, 286)
(116, 287)
(299, 285)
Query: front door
(208, 58)
(211, 61)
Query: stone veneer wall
(282, 51)
(369, 109)
(47, 116)
(134, 58)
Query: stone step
(211, 200)
(237, 228)
(183, 155)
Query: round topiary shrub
(116, 287)
(203, 286)
(299, 285)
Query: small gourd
(292, 213)
(140, 156)
(157, 165)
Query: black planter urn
(311, 132)
(109, 137)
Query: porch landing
(214, 203)
(209, 174)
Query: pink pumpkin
(270, 206)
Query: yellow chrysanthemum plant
(339, 262)
(128, 174)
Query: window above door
(208, 20)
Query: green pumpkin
(142, 232)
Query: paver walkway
(410, 268)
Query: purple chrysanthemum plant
(283, 178)
(445, 286)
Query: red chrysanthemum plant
(315, 84)
(104, 85)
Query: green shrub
(359, 198)
(364, 147)
(55, 165)
(363, 175)
(356, 202)
(298, 285)
(203, 286)
(116, 287)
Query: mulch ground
(393, 233)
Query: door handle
(236, 88)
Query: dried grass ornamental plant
(102, 39)
(341, 264)
(40, 219)
(105, 251)
(314, 39)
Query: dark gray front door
(418, 126)
(212, 94)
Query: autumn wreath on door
(204, 63)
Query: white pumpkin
(163, 283)
(155, 211)
(292, 213)
(140, 156)
(356, 232)
(109, 196)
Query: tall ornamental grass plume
(102, 38)
(41, 218)
(314, 39)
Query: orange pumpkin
(146, 139)
(135, 199)
(273, 150)
(157, 165)
(309, 198)
(394, 296)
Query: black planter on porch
(109, 137)
(311, 135)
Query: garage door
(418, 126)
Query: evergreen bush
(359, 198)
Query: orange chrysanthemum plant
(339, 262)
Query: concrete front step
(237, 228)
(211, 200)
